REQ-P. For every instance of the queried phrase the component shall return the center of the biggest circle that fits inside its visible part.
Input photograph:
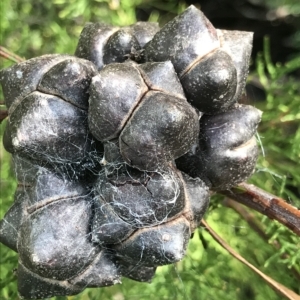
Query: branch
(10, 55)
(256, 226)
(278, 287)
(248, 216)
(267, 204)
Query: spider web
(175, 276)
(58, 180)
(50, 179)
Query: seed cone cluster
(116, 149)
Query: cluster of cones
(116, 149)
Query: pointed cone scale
(112, 155)
(136, 271)
(229, 130)
(119, 46)
(12, 220)
(183, 40)
(162, 129)
(100, 273)
(210, 85)
(58, 134)
(21, 79)
(92, 41)
(114, 94)
(197, 200)
(157, 246)
(49, 187)
(162, 77)
(238, 44)
(33, 286)
(143, 199)
(107, 227)
(54, 241)
(26, 170)
(228, 147)
(7, 139)
(144, 31)
(70, 80)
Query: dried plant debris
(116, 149)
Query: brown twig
(270, 205)
(256, 226)
(247, 216)
(10, 55)
(278, 287)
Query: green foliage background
(33, 28)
